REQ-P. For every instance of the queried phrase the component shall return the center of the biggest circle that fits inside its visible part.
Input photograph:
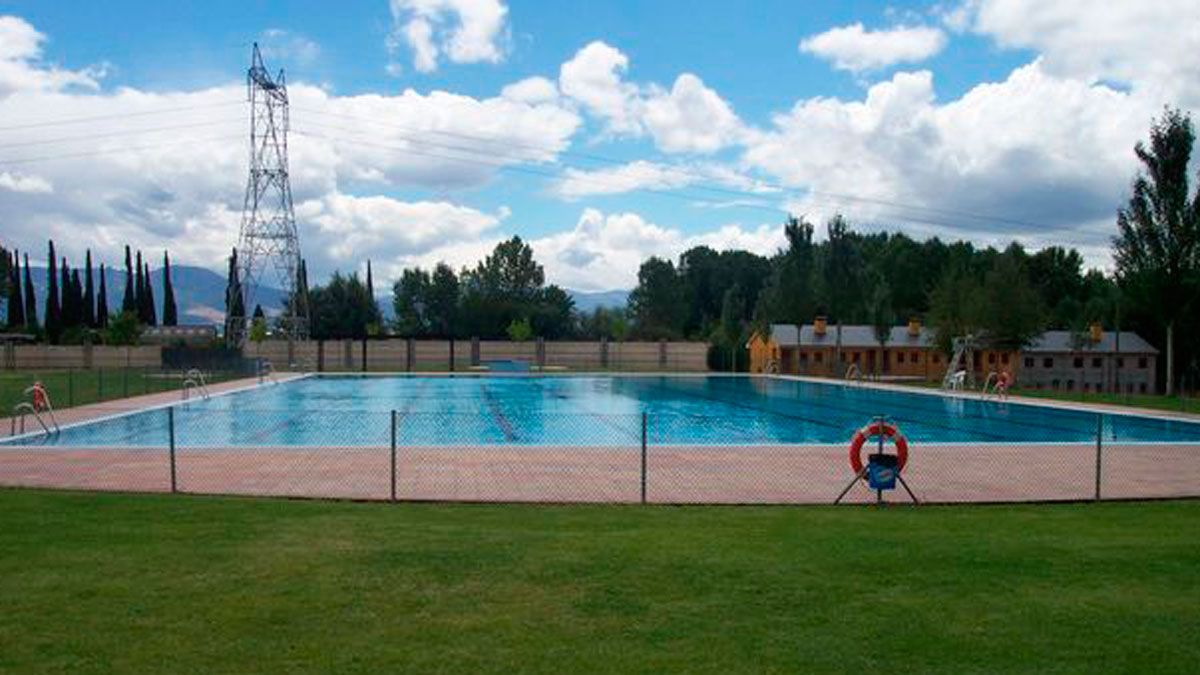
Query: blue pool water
(594, 411)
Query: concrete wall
(401, 355)
(63, 357)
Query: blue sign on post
(881, 471)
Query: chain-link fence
(494, 455)
(68, 388)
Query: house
(816, 349)
(1095, 361)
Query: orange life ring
(878, 429)
(39, 397)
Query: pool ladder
(25, 409)
(194, 380)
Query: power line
(115, 134)
(122, 116)
(690, 173)
(115, 151)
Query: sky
(602, 133)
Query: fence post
(393, 455)
(644, 415)
(1099, 451)
(171, 436)
(125, 381)
(70, 388)
(100, 385)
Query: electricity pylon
(268, 247)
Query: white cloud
(1044, 153)
(20, 67)
(594, 77)
(856, 49)
(1151, 46)
(531, 90)
(690, 117)
(462, 31)
(643, 175)
(17, 182)
(281, 44)
(603, 251)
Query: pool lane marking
(498, 414)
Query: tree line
(75, 308)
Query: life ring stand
(878, 428)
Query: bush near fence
(401, 355)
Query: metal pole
(99, 384)
(644, 425)
(70, 388)
(125, 382)
(879, 491)
(393, 455)
(1099, 451)
(171, 435)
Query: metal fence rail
(403, 455)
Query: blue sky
(983, 119)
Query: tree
(89, 294)
(789, 295)
(53, 309)
(341, 309)
(841, 277)
(656, 303)
(520, 330)
(150, 315)
(442, 299)
(16, 303)
(129, 300)
(952, 310)
(124, 330)
(170, 313)
(258, 325)
(410, 302)
(1157, 248)
(235, 302)
(879, 310)
(1009, 309)
(31, 315)
(102, 300)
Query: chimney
(1095, 332)
(914, 327)
(819, 326)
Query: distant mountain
(199, 292)
(588, 301)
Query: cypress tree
(76, 300)
(128, 302)
(102, 301)
(139, 290)
(235, 308)
(16, 303)
(31, 320)
(67, 295)
(89, 295)
(151, 318)
(170, 314)
(53, 308)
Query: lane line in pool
(497, 414)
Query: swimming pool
(356, 411)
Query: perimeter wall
(402, 355)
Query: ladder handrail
(23, 410)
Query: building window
(1142, 387)
(855, 357)
(1120, 362)
(1142, 364)
(1028, 362)
(1004, 359)
(803, 357)
(899, 357)
(937, 358)
(1095, 361)
(1078, 361)
(1054, 384)
(1048, 362)
(1070, 385)
(818, 357)
(991, 359)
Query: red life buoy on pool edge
(878, 429)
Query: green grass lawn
(69, 388)
(1188, 404)
(119, 583)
